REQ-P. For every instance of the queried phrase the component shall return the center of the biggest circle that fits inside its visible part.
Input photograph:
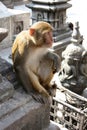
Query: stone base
(6, 89)
(18, 110)
(21, 112)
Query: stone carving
(83, 67)
(76, 36)
(73, 73)
(18, 27)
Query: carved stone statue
(83, 67)
(72, 74)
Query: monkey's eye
(50, 33)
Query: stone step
(6, 89)
(63, 36)
(3, 33)
(18, 99)
(6, 70)
(8, 80)
(61, 44)
(21, 112)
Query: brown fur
(33, 62)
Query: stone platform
(18, 110)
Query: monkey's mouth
(51, 42)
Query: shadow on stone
(3, 33)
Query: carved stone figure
(73, 73)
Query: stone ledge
(3, 33)
(21, 112)
(6, 89)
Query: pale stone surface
(6, 89)
(19, 111)
(22, 113)
(9, 18)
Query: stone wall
(9, 18)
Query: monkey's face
(44, 39)
(48, 39)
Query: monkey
(33, 61)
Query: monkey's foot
(41, 99)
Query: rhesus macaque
(33, 62)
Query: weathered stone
(3, 33)
(6, 89)
(0, 78)
(20, 111)
(6, 69)
(23, 113)
(20, 2)
(73, 74)
(8, 80)
(53, 12)
(11, 19)
(8, 3)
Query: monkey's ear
(31, 31)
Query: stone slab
(6, 70)
(6, 89)
(23, 113)
(3, 33)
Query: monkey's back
(19, 45)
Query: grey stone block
(6, 89)
(3, 33)
(22, 112)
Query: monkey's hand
(56, 61)
(40, 98)
(41, 93)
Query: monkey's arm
(36, 84)
(56, 60)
